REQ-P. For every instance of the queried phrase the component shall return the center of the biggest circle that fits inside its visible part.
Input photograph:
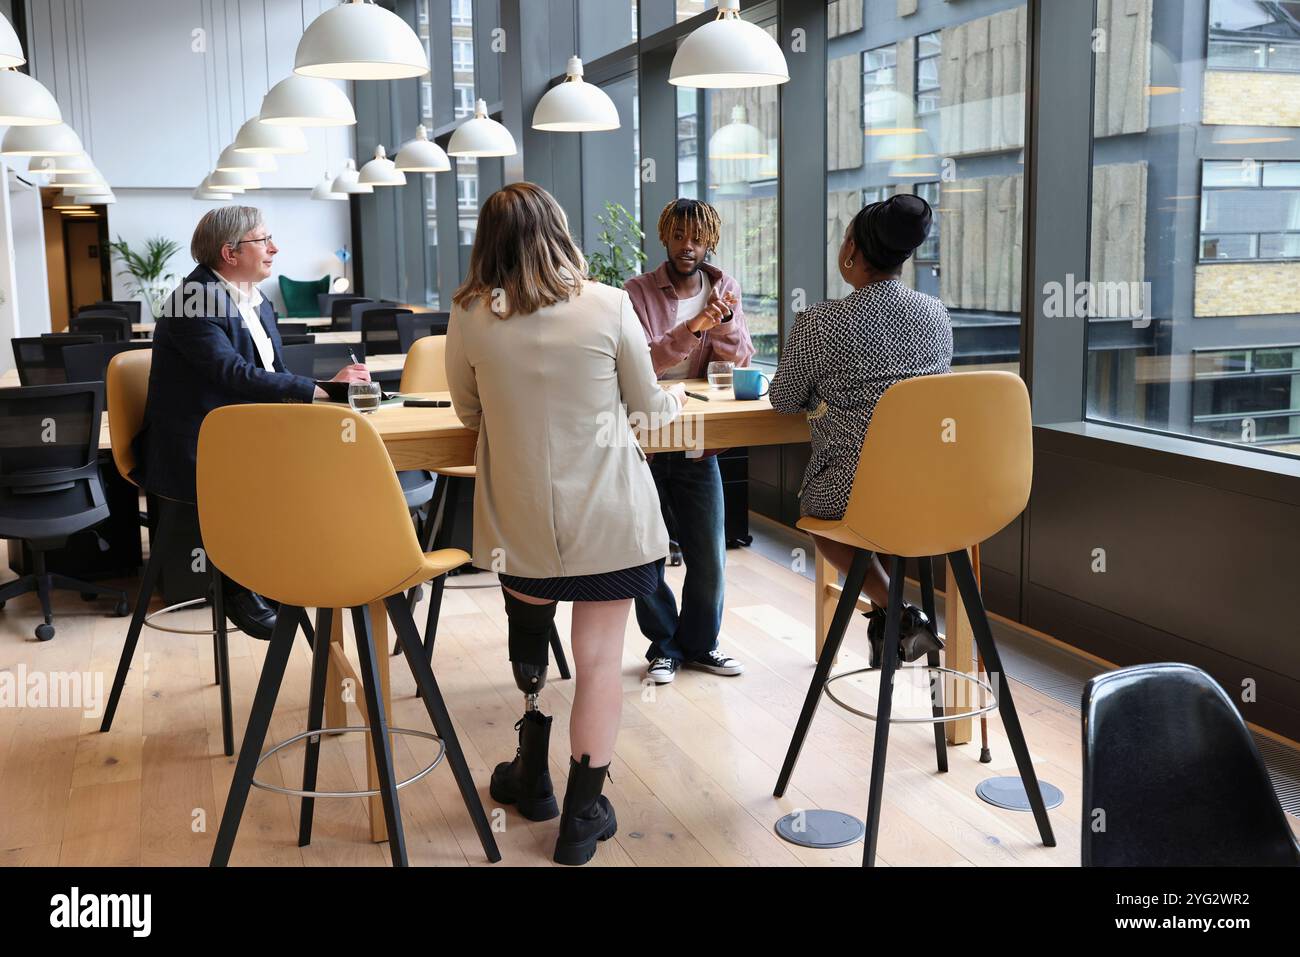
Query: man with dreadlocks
(690, 310)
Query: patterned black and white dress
(840, 358)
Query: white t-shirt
(248, 306)
(688, 309)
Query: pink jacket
(655, 302)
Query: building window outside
(1254, 35)
(1250, 210)
(927, 73)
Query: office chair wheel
(44, 632)
(121, 609)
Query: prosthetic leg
(526, 781)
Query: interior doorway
(76, 256)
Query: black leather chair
(1172, 778)
(131, 308)
(40, 358)
(341, 312)
(86, 363)
(417, 325)
(113, 326)
(297, 340)
(378, 325)
(49, 483)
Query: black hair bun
(904, 222)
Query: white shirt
(248, 305)
(688, 309)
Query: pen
(696, 395)
(353, 356)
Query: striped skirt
(604, 586)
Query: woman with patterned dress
(840, 358)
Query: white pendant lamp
(208, 187)
(11, 51)
(258, 137)
(56, 140)
(240, 179)
(347, 181)
(306, 101)
(380, 171)
(421, 155)
(575, 106)
(325, 189)
(230, 161)
(53, 165)
(481, 136)
(360, 41)
(89, 178)
(106, 199)
(728, 53)
(738, 140)
(212, 195)
(25, 102)
(97, 189)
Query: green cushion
(300, 297)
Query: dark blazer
(203, 358)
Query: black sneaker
(662, 671)
(715, 662)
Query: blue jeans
(690, 493)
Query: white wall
(158, 103)
(31, 293)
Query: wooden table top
(312, 322)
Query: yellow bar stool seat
(946, 463)
(321, 522)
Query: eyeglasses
(264, 240)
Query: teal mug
(747, 383)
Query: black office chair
(40, 358)
(1172, 778)
(291, 328)
(341, 312)
(297, 340)
(321, 360)
(86, 363)
(378, 326)
(113, 326)
(131, 308)
(49, 483)
(417, 325)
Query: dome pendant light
(57, 140)
(380, 171)
(738, 140)
(93, 199)
(53, 165)
(242, 179)
(258, 137)
(11, 51)
(728, 53)
(575, 106)
(325, 189)
(420, 155)
(88, 178)
(481, 136)
(25, 102)
(212, 195)
(346, 181)
(306, 101)
(230, 160)
(360, 41)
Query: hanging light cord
(67, 62)
(207, 125)
(85, 61)
(266, 45)
(243, 90)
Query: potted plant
(147, 270)
(621, 256)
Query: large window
(604, 181)
(728, 154)
(937, 112)
(1196, 224)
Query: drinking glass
(720, 374)
(364, 397)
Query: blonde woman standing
(546, 367)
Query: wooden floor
(691, 782)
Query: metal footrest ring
(373, 792)
(148, 620)
(928, 719)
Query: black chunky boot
(526, 781)
(916, 635)
(588, 816)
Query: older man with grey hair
(216, 345)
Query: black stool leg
(557, 649)
(959, 561)
(839, 624)
(435, 611)
(222, 648)
(932, 659)
(408, 636)
(320, 657)
(152, 568)
(884, 707)
(379, 732)
(441, 539)
(259, 720)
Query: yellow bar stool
(282, 530)
(425, 370)
(946, 463)
(127, 387)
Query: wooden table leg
(336, 709)
(825, 596)
(379, 630)
(959, 655)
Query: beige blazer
(563, 488)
